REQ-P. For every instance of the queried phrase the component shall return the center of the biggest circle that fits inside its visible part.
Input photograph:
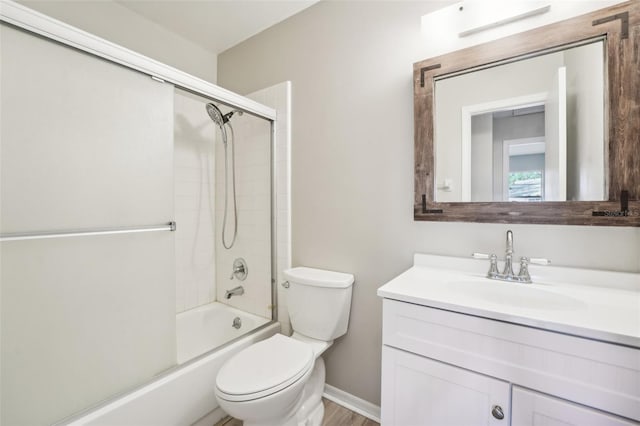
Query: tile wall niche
(194, 170)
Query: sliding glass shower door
(87, 150)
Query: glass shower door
(85, 145)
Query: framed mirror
(539, 127)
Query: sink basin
(599, 305)
(514, 294)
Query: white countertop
(594, 304)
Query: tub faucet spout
(237, 291)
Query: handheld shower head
(215, 114)
(218, 117)
(229, 168)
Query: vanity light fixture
(481, 15)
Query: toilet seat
(264, 368)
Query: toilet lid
(264, 368)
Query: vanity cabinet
(424, 392)
(445, 368)
(535, 409)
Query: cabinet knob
(497, 412)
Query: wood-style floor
(334, 415)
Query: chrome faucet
(236, 291)
(508, 257)
(507, 273)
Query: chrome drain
(237, 323)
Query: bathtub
(207, 327)
(185, 395)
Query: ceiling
(216, 25)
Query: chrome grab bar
(171, 226)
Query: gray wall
(350, 64)
(116, 23)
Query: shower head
(217, 116)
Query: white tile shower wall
(251, 143)
(252, 165)
(278, 97)
(194, 142)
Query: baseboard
(352, 402)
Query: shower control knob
(240, 269)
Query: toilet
(279, 381)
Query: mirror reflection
(530, 130)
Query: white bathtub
(201, 329)
(186, 395)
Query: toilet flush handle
(285, 284)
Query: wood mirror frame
(620, 24)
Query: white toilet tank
(319, 302)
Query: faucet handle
(482, 255)
(493, 266)
(538, 260)
(524, 267)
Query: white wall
(350, 64)
(585, 125)
(116, 23)
(482, 157)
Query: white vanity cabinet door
(419, 391)
(535, 409)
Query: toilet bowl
(265, 381)
(279, 381)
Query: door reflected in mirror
(529, 130)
